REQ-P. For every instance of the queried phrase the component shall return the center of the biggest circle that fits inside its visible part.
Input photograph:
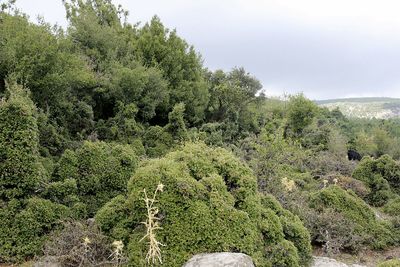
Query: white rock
(328, 262)
(224, 259)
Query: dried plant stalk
(152, 225)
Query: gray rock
(224, 259)
(328, 262)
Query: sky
(323, 48)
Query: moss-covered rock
(210, 203)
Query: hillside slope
(368, 107)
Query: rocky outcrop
(223, 259)
(328, 262)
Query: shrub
(101, 171)
(25, 226)
(20, 168)
(283, 254)
(380, 175)
(157, 141)
(393, 207)
(78, 244)
(63, 192)
(390, 263)
(210, 203)
(376, 234)
(357, 186)
(293, 228)
(300, 114)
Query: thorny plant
(152, 225)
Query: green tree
(230, 93)
(300, 114)
(157, 46)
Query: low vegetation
(117, 146)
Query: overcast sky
(323, 48)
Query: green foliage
(41, 58)
(293, 228)
(230, 93)
(375, 234)
(100, 171)
(176, 125)
(210, 203)
(283, 254)
(380, 175)
(20, 167)
(300, 114)
(157, 141)
(181, 66)
(351, 206)
(145, 87)
(25, 226)
(393, 207)
(144, 90)
(390, 263)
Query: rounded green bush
(157, 141)
(25, 226)
(210, 203)
(382, 175)
(101, 171)
(376, 234)
(20, 167)
(293, 228)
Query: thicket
(209, 203)
(382, 176)
(92, 115)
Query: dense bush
(24, 226)
(380, 175)
(393, 207)
(293, 227)
(20, 168)
(145, 91)
(357, 186)
(157, 141)
(374, 233)
(100, 171)
(300, 114)
(210, 203)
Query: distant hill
(366, 107)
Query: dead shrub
(81, 244)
